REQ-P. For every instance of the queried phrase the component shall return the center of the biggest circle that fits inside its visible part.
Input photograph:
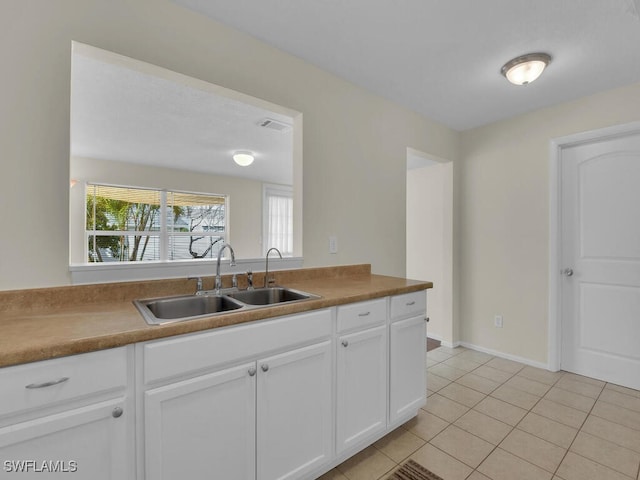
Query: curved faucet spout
(267, 280)
(218, 285)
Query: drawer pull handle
(410, 303)
(47, 384)
(117, 412)
(265, 367)
(345, 343)
(364, 314)
(252, 371)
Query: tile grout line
(530, 410)
(510, 431)
(512, 375)
(566, 450)
(576, 436)
(495, 447)
(579, 429)
(470, 433)
(616, 406)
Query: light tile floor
(490, 418)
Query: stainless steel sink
(158, 311)
(185, 307)
(270, 296)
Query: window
(278, 219)
(125, 224)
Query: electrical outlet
(333, 244)
(497, 321)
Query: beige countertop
(40, 324)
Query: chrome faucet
(218, 285)
(198, 280)
(267, 280)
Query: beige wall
(354, 158)
(244, 198)
(354, 142)
(503, 195)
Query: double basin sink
(157, 311)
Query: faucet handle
(234, 280)
(249, 280)
(198, 283)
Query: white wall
(354, 142)
(429, 198)
(503, 195)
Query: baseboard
(507, 356)
(444, 343)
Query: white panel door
(294, 423)
(203, 427)
(361, 385)
(601, 259)
(407, 367)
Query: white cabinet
(262, 411)
(294, 424)
(361, 386)
(88, 442)
(286, 398)
(407, 352)
(201, 425)
(68, 415)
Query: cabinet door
(87, 442)
(408, 374)
(362, 386)
(203, 427)
(294, 412)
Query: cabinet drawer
(42, 384)
(408, 304)
(196, 352)
(362, 314)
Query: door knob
(568, 272)
(265, 367)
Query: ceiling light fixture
(525, 69)
(243, 158)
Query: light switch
(333, 244)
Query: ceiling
(442, 58)
(130, 111)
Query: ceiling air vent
(274, 125)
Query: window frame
(267, 189)
(164, 234)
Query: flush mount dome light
(243, 158)
(525, 69)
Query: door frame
(556, 147)
(449, 336)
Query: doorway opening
(430, 237)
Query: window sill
(125, 272)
